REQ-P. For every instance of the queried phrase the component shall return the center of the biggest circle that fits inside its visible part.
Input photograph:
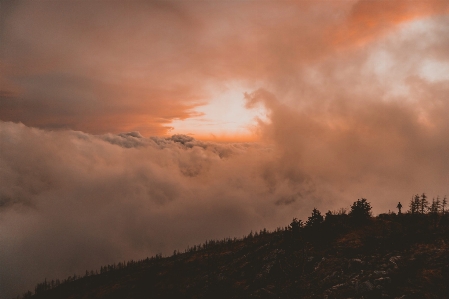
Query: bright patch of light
(404, 54)
(224, 116)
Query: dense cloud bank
(71, 201)
(356, 96)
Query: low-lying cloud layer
(71, 201)
(356, 96)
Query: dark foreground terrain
(339, 256)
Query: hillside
(340, 256)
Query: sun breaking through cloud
(134, 128)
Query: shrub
(360, 210)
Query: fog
(92, 171)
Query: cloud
(367, 20)
(356, 107)
(73, 201)
(102, 68)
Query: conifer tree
(433, 207)
(438, 204)
(295, 226)
(315, 219)
(413, 204)
(423, 204)
(360, 210)
(444, 203)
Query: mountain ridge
(341, 255)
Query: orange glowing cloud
(367, 20)
(346, 99)
(148, 66)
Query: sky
(131, 128)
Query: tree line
(317, 228)
(419, 204)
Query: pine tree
(444, 203)
(295, 228)
(411, 206)
(417, 203)
(414, 204)
(296, 225)
(360, 211)
(438, 204)
(316, 218)
(423, 204)
(433, 207)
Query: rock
(334, 288)
(338, 286)
(413, 296)
(355, 264)
(394, 260)
(319, 263)
(265, 270)
(380, 273)
(382, 281)
(364, 287)
(330, 276)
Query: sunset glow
(223, 118)
(130, 128)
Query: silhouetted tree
(423, 204)
(444, 203)
(438, 204)
(414, 204)
(434, 209)
(315, 219)
(360, 210)
(435, 206)
(295, 226)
